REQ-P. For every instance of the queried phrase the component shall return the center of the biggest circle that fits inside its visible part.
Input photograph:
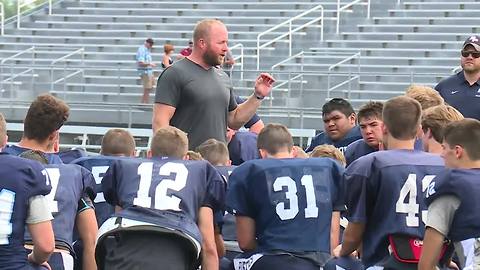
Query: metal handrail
(241, 57)
(358, 54)
(287, 59)
(17, 75)
(340, 9)
(17, 54)
(20, 5)
(290, 31)
(80, 51)
(331, 67)
(2, 63)
(302, 54)
(344, 82)
(2, 19)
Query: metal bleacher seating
(84, 52)
(412, 42)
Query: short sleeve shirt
(202, 100)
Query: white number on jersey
(53, 177)
(411, 207)
(97, 171)
(311, 211)
(7, 200)
(162, 200)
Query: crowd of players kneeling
(178, 209)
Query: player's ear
(294, 152)
(229, 162)
(186, 157)
(419, 132)
(352, 118)
(263, 153)
(55, 139)
(149, 153)
(459, 152)
(384, 129)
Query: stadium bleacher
(84, 52)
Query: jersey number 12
(163, 201)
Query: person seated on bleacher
(339, 121)
(216, 152)
(24, 205)
(167, 228)
(280, 226)
(72, 191)
(116, 144)
(44, 118)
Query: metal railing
(2, 19)
(13, 74)
(290, 32)
(20, 5)
(350, 77)
(64, 78)
(340, 9)
(240, 57)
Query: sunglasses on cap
(473, 53)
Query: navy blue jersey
(255, 118)
(17, 150)
(384, 191)
(68, 156)
(98, 166)
(358, 148)
(322, 138)
(243, 147)
(291, 201)
(465, 185)
(164, 192)
(21, 179)
(70, 183)
(460, 94)
(226, 220)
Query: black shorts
(144, 250)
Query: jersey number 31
(311, 211)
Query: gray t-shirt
(202, 99)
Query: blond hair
(215, 151)
(169, 142)
(436, 118)
(426, 96)
(327, 150)
(203, 28)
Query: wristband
(257, 96)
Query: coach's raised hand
(263, 85)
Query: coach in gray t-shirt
(196, 96)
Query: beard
(212, 58)
(471, 68)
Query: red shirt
(186, 52)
